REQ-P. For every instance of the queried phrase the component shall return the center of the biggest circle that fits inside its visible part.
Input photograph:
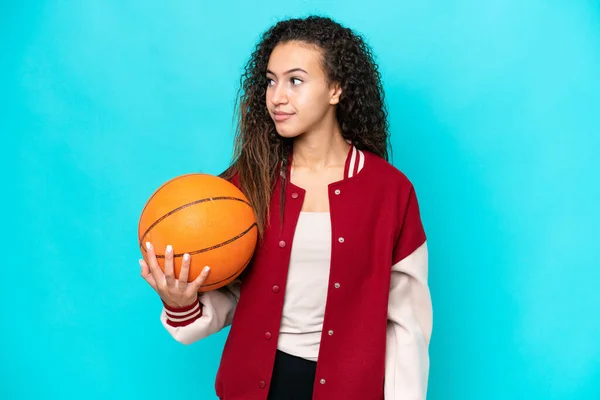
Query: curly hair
(260, 154)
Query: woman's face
(298, 95)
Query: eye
(270, 82)
(293, 80)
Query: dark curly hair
(260, 154)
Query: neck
(321, 148)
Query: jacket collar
(355, 162)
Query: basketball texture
(205, 216)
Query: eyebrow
(288, 72)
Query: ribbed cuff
(183, 316)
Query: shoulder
(383, 173)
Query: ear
(335, 93)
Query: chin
(288, 133)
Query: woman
(339, 275)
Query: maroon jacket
(375, 224)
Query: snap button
(341, 240)
(337, 191)
(267, 335)
(262, 384)
(322, 381)
(336, 285)
(330, 333)
(275, 289)
(282, 243)
(294, 195)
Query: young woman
(335, 304)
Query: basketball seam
(212, 247)
(186, 206)
(216, 246)
(162, 186)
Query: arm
(410, 311)
(408, 329)
(211, 312)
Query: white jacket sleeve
(212, 312)
(409, 327)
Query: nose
(278, 95)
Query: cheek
(314, 107)
(309, 102)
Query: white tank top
(306, 290)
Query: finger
(169, 274)
(155, 270)
(184, 273)
(199, 281)
(147, 275)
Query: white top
(306, 289)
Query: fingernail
(148, 245)
(206, 269)
(186, 256)
(169, 248)
(140, 261)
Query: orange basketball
(205, 216)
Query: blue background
(495, 113)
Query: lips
(281, 116)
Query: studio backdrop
(495, 117)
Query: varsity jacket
(378, 313)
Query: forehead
(286, 56)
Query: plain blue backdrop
(495, 116)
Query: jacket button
(267, 335)
(275, 289)
(337, 191)
(341, 240)
(294, 195)
(330, 333)
(262, 384)
(322, 381)
(282, 243)
(337, 285)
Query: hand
(175, 293)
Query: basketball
(205, 216)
